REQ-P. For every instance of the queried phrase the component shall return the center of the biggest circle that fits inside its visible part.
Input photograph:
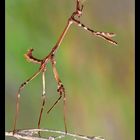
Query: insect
(73, 19)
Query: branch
(29, 134)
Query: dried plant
(29, 134)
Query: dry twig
(29, 134)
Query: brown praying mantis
(73, 19)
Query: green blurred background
(98, 77)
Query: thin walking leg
(43, 97)
(60, 89)
(64, 112)
(54, 104)
(18, 96)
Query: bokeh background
(98, 77)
